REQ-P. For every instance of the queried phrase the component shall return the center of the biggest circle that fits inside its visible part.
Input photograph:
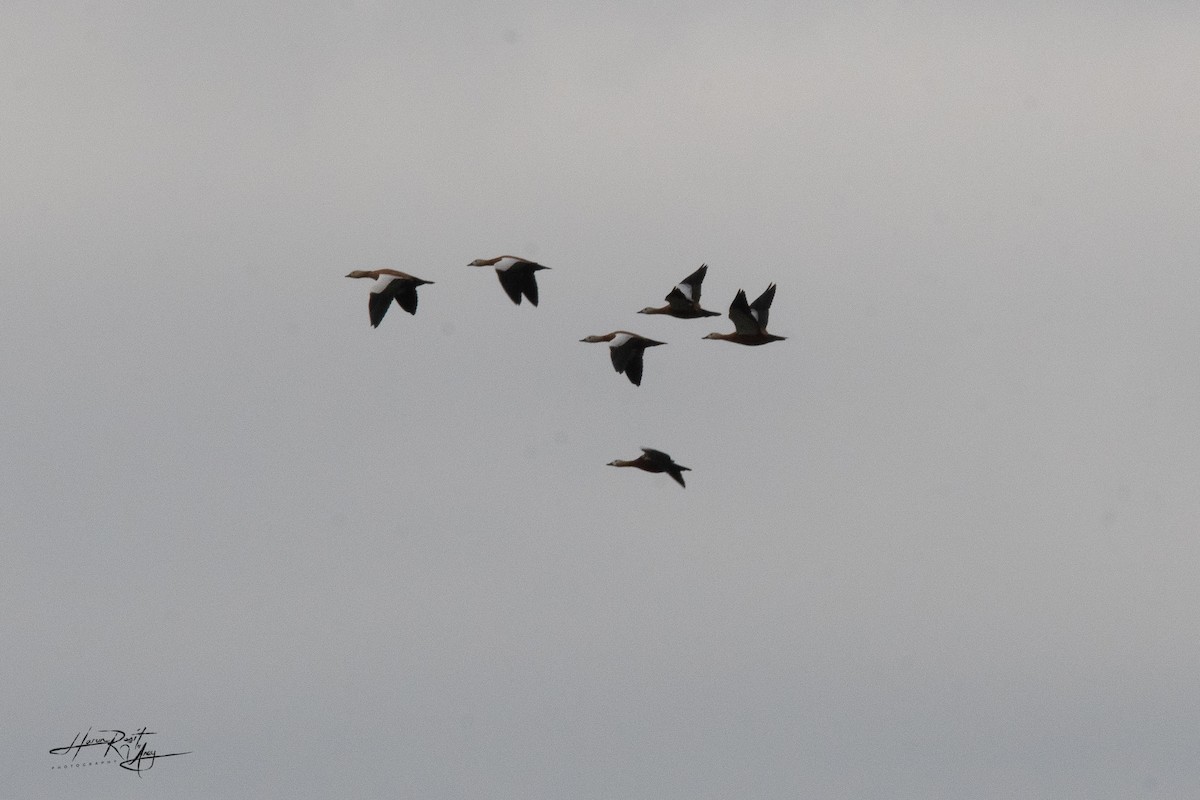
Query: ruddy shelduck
(389, 285)
(626, 350)
(750, 320)
(516, 276)
(655, 461)
(684, 300)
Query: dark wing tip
(764, 299)
(633, 369)
(622, 358)
(697, 277)
(407, 299)
(377, 306)
(530, 288)
(512, 287)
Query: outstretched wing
(739, 312)
(760, 309)
(528, 282)
(686, 295)
(511, 281)
(677, 473)
(377, 305)
(691, 284)
(621, 350)
(633, 368)
(406, 297)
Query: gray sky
(940, 543)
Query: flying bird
(389, 285)
(626, 350)
(516, 276)
(684, 300)
(750, 320)
(655, 461)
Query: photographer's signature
(129, 750)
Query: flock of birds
(518, 278)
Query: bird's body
(389, 285)
(684, 300)
(750, 320)
(655, 461)
(516, 276)
(626, 350)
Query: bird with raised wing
(750, 320)
(389, 285)
(516, 276)
(684, 300)
(626, 350)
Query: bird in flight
(389, 285)
(684, 300)
(516, 276)
(750, 320)
(626, 350)
(655, 461)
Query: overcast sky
(941, 543)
